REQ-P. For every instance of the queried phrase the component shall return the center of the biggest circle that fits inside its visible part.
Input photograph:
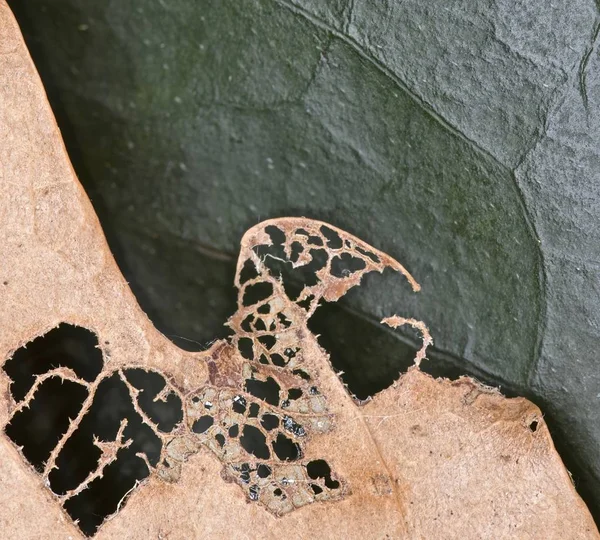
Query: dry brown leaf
(423, 459)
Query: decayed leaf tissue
(257, 436)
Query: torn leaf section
(262, 445)
(95, 429)
(287, 268)
(92, 432)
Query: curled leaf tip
(396, 321)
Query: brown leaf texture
(425, 458)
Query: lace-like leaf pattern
(257, 413)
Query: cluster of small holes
(276, 379)
(313, 256)
(259, 442)
(283, 488)
(238, 426)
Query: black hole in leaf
(345, 264)
(202, 424)
(533, 426)
(234, 431)
(254, 442)
(302, 374)
(248, 272)
(316, 489)
(112, 405)
(285, 322)
(294, 393)
(266, 390)
(269, 421)
(332, 484)
(319, 258)
(165, 414)
(369, 254)
(276, 234)
(245, 346)
(263, 359)
(352, 340)
(263, 471)
(290, 353)
(333, 239)
(294, 279)
(259, 325)
(285, 448)
(247, 323)
(267, 341)
(80, 455)
(319, 468)
(65, 346)
(296, 250)
(278, 360)
(264, 309)
(39, 428)
(245, 475)
(315, 240)
(305, 304)
(277, 492)
(257, 292)
(254, 410)
(104, 495)
(144, 441)
(220, 438)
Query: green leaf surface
(460, 138)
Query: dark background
(463, 140)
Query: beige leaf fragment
(425, 458)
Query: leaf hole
(334, 241)
(266, 390)
(345, 265)
(65, 346)
(286, 449)
(257, 292)
(248, 272)
(254, 442)
(319, 468)
(98, 464)
(203, 424)
(269, 421)
(246, 348)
